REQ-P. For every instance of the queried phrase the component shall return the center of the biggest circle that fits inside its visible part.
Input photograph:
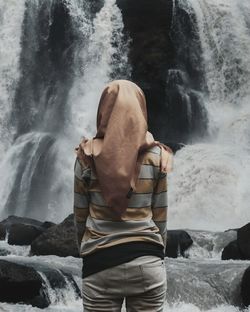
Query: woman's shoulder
(82, 166)
(154, 150)
(159, 156)
(152, 156)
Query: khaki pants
(141, 282)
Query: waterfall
(57, 69)
(11, 18)
(209, 183)
(67, 54)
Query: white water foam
(209, 245)
(208, 188)
(65, 299)
(14, 249)
(62, 296)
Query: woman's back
(145, 218)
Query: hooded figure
(120, 206)
(116, 151)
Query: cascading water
(200, 170)
(104, 55)
(54, 109)
(209, 183)
(24, 186)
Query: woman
(120, 206)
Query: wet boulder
(243, 239)
(178, 241)
(47, 224)
(240, 248)
(245, 287)
(232, 251)
(23, 234)
(20, 283)
(22, 231)
(58, 240)
(2, 231)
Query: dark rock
(243, 239)
(95, 6)
(20, 220)
(163, 47)
(47, 224)
(6, 223)
(178, 241)
(245, 287)
(150, 54)
(239, 249)
(19, 283)
(232, 251)
(2, 231)
(58, 240)
(22, 231)
(23, 234)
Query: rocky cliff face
(165, 59)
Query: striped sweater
(145, 219)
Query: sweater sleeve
(160, 206)
(81, 200)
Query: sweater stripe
(160, 200)
(136, 201)
(118, 226)
(81, 201)
(105, 213)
